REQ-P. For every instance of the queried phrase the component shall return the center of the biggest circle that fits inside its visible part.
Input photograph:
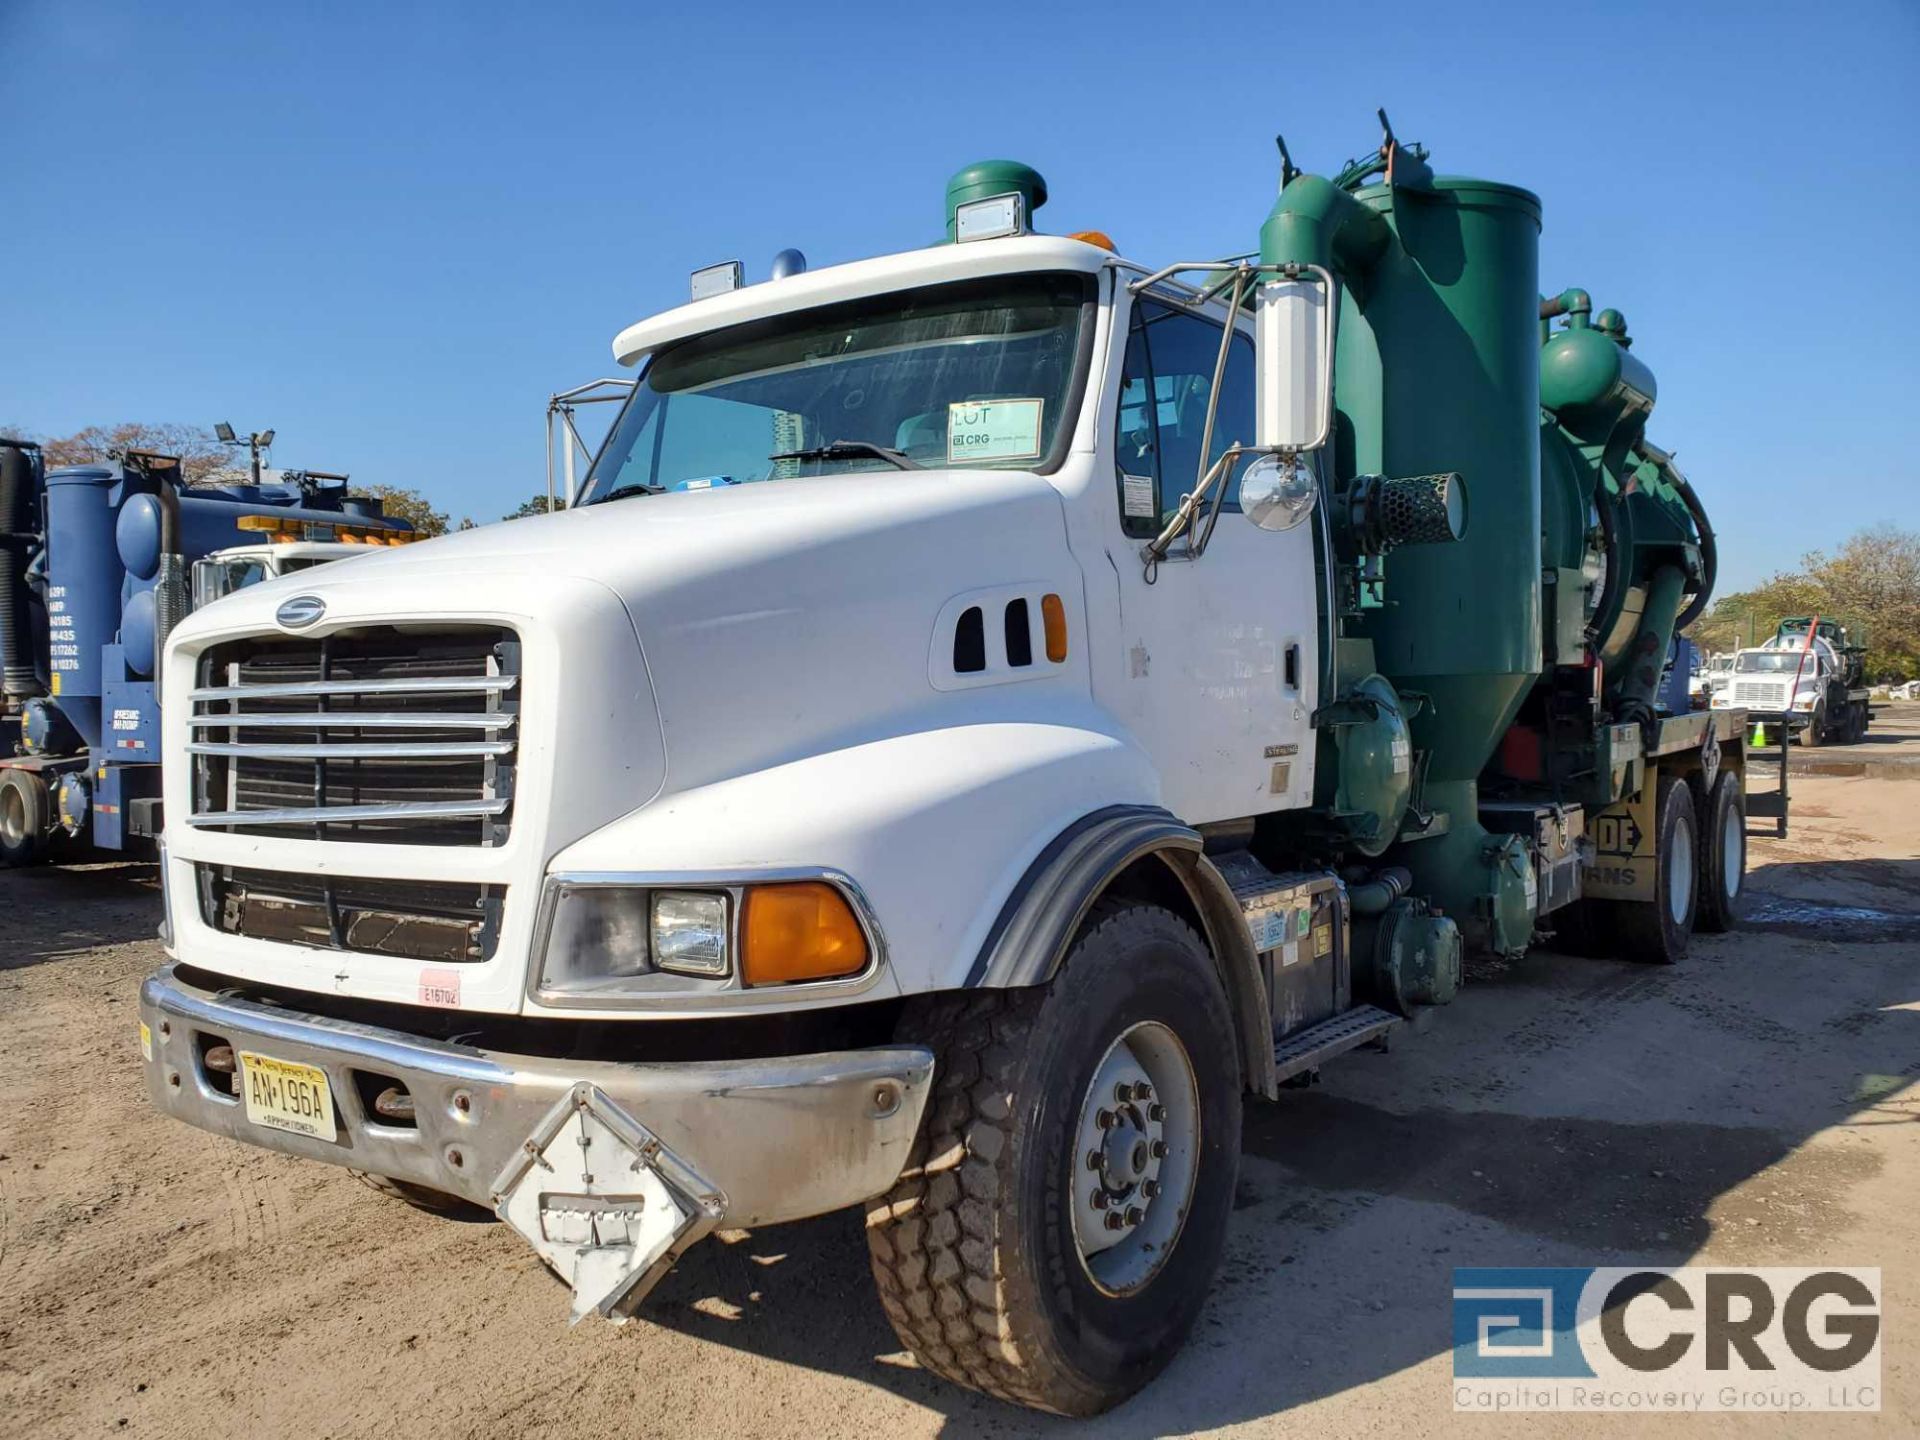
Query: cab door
(1217, 672)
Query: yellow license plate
(283, 1095)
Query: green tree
(201, 455)
(404, 504)
(534, 505)
(1871, 584)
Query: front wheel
(1815, 735)
(1055, 1234)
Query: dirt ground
(1755, 1105)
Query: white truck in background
(1808, 678)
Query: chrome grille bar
(354, 720)
(371, 750)
(405, 685)
(377, 735)
(333, 814)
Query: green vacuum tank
(1438, 375)
(1438, 369)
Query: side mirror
(1293, 362)
(1277, 492)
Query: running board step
(1315, 1045)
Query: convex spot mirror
(1277, 492)
(1293, 363)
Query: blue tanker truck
(97, 563)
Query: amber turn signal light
(800, 931)
(1054, 613)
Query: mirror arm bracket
(1156, 549)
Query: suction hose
(1709, 552)
(1374, 895)
(19, 487)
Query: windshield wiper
(851, 450)
(621, 492)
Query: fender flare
(1031, 935)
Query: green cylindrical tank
(1374, 777)
(1438, 369)
(1592, 384)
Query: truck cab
(982, 717)
(235, 568)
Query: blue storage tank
(84, 576)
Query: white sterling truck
(986, 712)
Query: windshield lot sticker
(993, 430)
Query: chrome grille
(1767, 694)
(371, 734)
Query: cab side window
(1165, 380)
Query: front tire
(1815, 735)
(987, 1268)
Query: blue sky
(391, 230)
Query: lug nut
(1100, 1200)
(1150, 1189)
(1093, 1160)
(1135, 1215)
(1114, 1222)
(1143, 1091)
(1156, 1112)
(1158, 1149)
(1106, 1119)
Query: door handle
(1293, 667)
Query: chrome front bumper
(778, 1139)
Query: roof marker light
(991, 218)
(717, 280)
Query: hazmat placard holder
(604, 1203)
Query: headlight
(619, 943)
(603, 937)
(690, 932)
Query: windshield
(978, 373)
(1774, 662)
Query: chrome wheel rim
(1136, 1156)
(1680, 874)
(1733, 851)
